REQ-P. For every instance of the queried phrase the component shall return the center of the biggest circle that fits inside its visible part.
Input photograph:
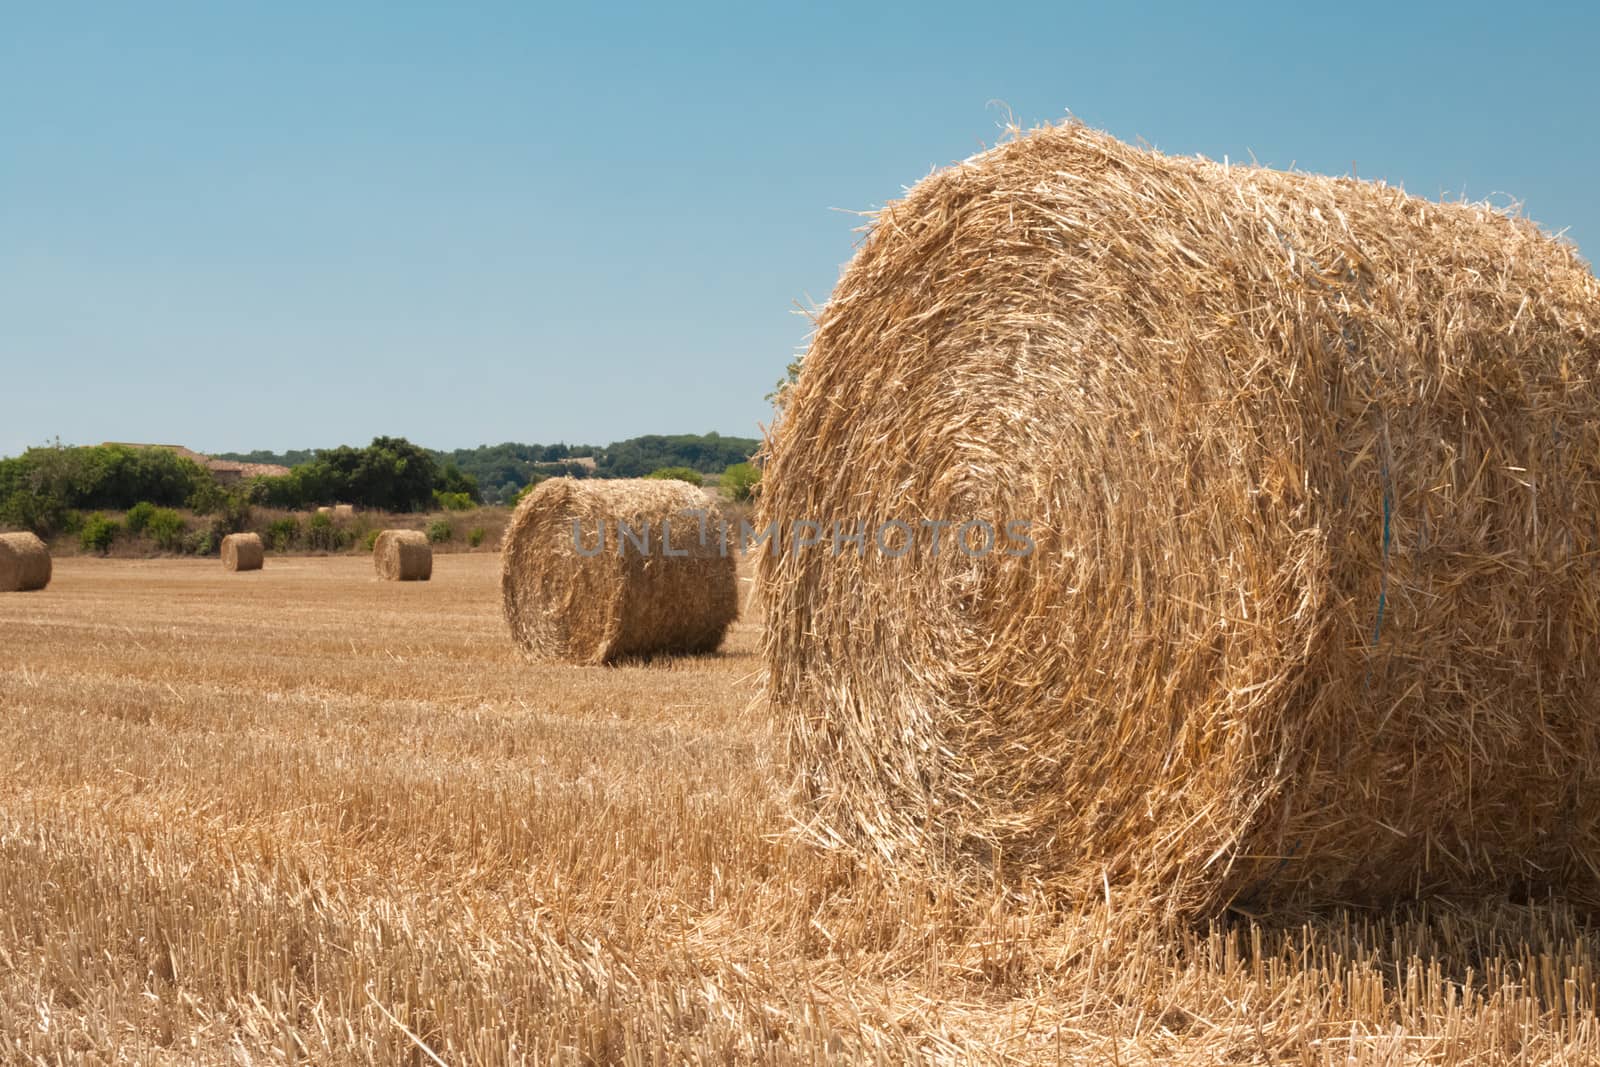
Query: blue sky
(284, 225)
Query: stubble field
(305, 816)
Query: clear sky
(287, 224)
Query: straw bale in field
(1312, 469)
(242, 552)
(24, 563)
(403, 556)
(591, 602)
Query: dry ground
(304, 816)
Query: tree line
(502, 471)
(47, 488)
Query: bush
(741, 481)
(679, 474)
(283, 534)
(200, 543)
(439, 531)
(452, 482)
(42, 513)
(453, 501)
(165, 527)
(138, 515)
(369, 541)
(476, 535)
(230, 510)
(97, 534)
(323, 533)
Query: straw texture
(24, 563)
(403, 556)
(242, 552)
(1311, 467)
(620, 602)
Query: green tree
(390, 474)
(741, 480)
(40, 487)
(166, 528)
(138, 516)
(452, 482)
(97, 534)
(681, 474)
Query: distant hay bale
(403, 556)
(1312, 470)
(626, 598)
(242, 552)
(24, 563)
(344, 511)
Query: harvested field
(291, 819)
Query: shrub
(439, 531)
(97, 534)
(476, 535)
(323, 533)
(165, 527)
(452, 482)
(369, 540)
(453, 501)
(230, 511)
(207, 498)
(200, 543)
(282, 534)
(43, 513)
(741, 481)
(138, 515)
(680, 474)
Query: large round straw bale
(242, 552)
(24, 563)
(1312, 469)
(569, 595)
(403, 556)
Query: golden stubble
(319, 817)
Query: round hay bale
(403, 556)
(242, 552)
(24, 563)
(1311, 469)
(570, 595)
